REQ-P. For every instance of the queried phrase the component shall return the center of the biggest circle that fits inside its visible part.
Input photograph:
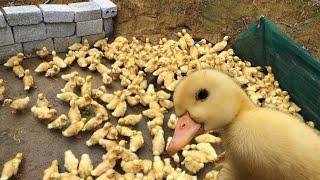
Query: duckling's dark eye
(202, 94)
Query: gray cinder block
(108, 8)
(6, 37)
(93, 38)
(30, 48)
(62, 44)
(22, 15)
(89, 27)
(60, 29)
(85, 11)
(8, 51)
(54, 13)
(29, 33)
(108, 26)
(3, 23)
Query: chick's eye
(202, 94)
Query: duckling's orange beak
(185, 130)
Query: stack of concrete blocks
(55, 26)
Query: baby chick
(136, 141)
(43, 113)
(53, 71)
(98, 108)
(85, 166)
(74, 128)
(18, 104)
(75, 46)
(70, 57)
(18, 69)
(44, 67)
(83, 102)
(71, 162)
(87, 87)
(11, 167)
(99, 134)
(93, 122)
(67, 96)
(42, 101)
(51, 170)
(43, 53)
(58, 60)
(74, 112)
(19, 57)
(132, 119)
(121, 109)
(59, 123)
(28, 80)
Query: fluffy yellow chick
(101, 43)
(75, 46)
(104, 166)
(2, 90)
(51, 170)
(99, 134)
(43, 113)
(74, 113)
(18, 104)
(136, 141)
(113, 102)
(108, 144)
(211, 175)
(82, 62)
(83, 102)
(59, 123)
(28, 80)
(220, 45)
(19, 58)
(67, 96)
(69, 59)
(125, 131)
(121, 109)
(157, 167)
(98, 108)
(131, 119)
(87, 87)
(93, 122)
(11, 167)
(69, 86)
(43, 52)
(106, 79)
(44, 67)
(207, 138)
(53, 71)
(58, 60)
(85, 166)
(158, 141)
(74, 128)
(172, 121)
(71, 162)
(18, 69)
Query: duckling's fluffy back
(267, 144)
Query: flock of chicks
(169, 61)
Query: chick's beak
(185, 130)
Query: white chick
(85, 166)
(11, 167)
(71, 162)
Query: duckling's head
(205, 98)
(20, 55)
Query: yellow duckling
(98, 108)
(28, 80)
(58, 60)
(85, 45)
(74, 128)
(87, 87)
(67, 96)
(43, 52)
(75, 47)
(83, 102)
(2, 90)
(93, 122)
(18, 69)
(44, 67)
(18, 104)
(11, 167)
(85, 166)
(70, 57)
(74, 112)
(51, 170)
(101, 43)
(260, 143)
(19, 57)
(220, 45)
(43, 113)
(59, 123)
(52, 71)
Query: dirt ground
(22, 132)
(211, 19)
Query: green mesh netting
(264, 44)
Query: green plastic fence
(264, 44)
